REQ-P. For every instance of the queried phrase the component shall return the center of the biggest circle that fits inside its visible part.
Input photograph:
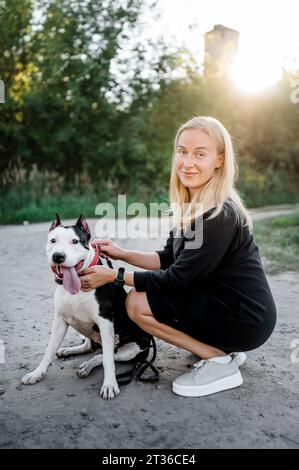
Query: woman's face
(196, 159)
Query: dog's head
(67, 249)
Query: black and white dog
(99, 315)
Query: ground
(64, 411)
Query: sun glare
(253, 77)
(256, 67)
(269, 35)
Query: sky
(269, 33)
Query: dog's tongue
(71, 281)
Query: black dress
(217, 292)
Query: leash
(140, 366)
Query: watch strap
(119, 281)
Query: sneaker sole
(226, 383)
(240, 358)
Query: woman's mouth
(187, 173)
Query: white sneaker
(207, 377)
(240, 358)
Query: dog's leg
(125, 353)
(86, 367)
(110, 387)
(58, 333)
(74, 350)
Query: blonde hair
(218, 190)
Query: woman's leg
(139, 311)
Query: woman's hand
(108, 248)
(96, 276)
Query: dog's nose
(58, 257)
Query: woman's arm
(198, 262)
(97, 276)
(142, 259)
(160, 259)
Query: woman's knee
(136, 305)
(132, 304)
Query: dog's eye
(75, 240)
(53, 240)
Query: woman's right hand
(108, 248)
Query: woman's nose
(188, 160)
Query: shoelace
(200, 366)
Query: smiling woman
(210, 298)
(196, 159)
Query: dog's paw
(84, 369)
(64, 352)
(32, 377)
(109, 391)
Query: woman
(211, 300)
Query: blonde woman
(213, 298)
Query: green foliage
(278, 241)
(71, 126)
(61, 119)
(23, 204)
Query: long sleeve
(166, 255)
(192, 264)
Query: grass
(35, 196)
(19, 206)
(278, 242)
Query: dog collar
(94, 262)
(96, 256)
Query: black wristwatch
(119, 281)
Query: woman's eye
(75, 241)
(53, 240)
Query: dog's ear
(55, 222)
(83, 225)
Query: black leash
(109, 263)
(140, 366)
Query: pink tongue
(71, 281)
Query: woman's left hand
(95, 276)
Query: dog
(99, 315)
